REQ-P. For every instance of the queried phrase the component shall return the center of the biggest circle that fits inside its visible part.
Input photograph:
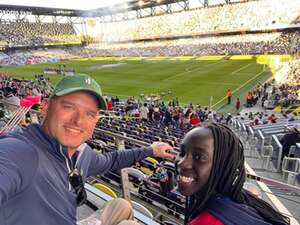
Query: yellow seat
(106, 190)
(277, 109)
(149, 168)
(297, 110)
(150, 159)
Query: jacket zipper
(68, 166)
(81, 149)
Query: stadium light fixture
(158, 1)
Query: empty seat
(142, 209)
(107, 190)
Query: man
(43, 170)
(144, 112)
(237, 104)
(290, 138)
(13, 102)
(229, 95)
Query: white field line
(276, 202)
(234, 72)
(218, 83)
(189, 71)
(235, 90)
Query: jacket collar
(37, 134)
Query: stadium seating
(253, 15)
(23, 33)
(275, 42)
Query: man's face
(71, 118)
(195, 166)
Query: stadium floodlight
(141, 3)
(158, 1)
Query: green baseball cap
(79, 82)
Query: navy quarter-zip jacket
(34, 168)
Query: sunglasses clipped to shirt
(76, 182)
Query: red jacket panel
(205, 218)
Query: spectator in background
(195, 121)
(249, 99)
(12, 101)
(176, 117)
(144, 112)
(237, 104)
(109, 104)
(272, 118)
(228, 118)
(229, 96)
(168, 118)
(151, 112)
(117, 100)
(2, 119)
(156, 116)
(290, 138)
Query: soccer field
(191, 79)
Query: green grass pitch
(191, 79)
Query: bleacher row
(145, 131)
(22, 33)
(264, 141)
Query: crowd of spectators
(284, 89)
(20, 57)
(260, 117)
(200, 37)
(293, 76)
(156, 113)
(202, 25)
(13, 90)
(276, 42)
(283, 95)
(162, 114)
(21, 88)
(23, 33)
(248, 15)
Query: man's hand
(162, 150)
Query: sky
(71, 4)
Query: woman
(211, 174)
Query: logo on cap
(88, 81)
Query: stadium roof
(86, 4)
(89, 8)
(64, 4)
(107, 10)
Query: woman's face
(195, 166)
